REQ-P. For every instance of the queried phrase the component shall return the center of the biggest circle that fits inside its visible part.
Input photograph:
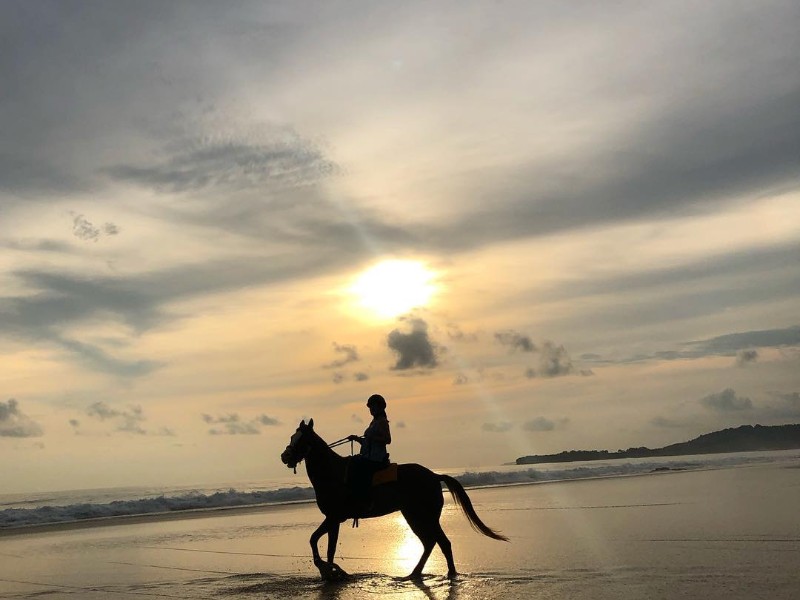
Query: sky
(532, 227)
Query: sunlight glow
(393, 287)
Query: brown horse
(417, 493)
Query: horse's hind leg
(447, 550)
(426, 533)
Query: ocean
(27, 510)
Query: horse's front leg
(320, 531)
(329, 570)
(333, 539)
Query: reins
(331, 445)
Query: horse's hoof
(452, 575)
(331, 571)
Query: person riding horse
(416, 492)
(373, 455)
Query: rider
(373, 455)
(377, 435)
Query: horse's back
(417, 474)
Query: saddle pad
(386, 475)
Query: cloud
(765, 338)
(400, 424)
(350, 355)
(83, 229)
(554, 361)
(40, 245)
(539, 424)
(744, 357)
(413, 349)
(782, 405)
(726, 401)
(743, 345)
(232, 424)
(499, 427)
(111, 229)
(455, 333)
(460, 379)
(338, 377)
(96, 358)
(515, 340)
(282, 159)
(268, 421)
(667, 423)
(15, 423)
(128, 421)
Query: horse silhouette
(417, 494)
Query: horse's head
(299, 444)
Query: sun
(393, 287)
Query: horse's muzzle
(287, 459)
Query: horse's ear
(302, 424)
(311, 423)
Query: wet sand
(730, 533)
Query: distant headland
(747, 438)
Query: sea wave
(50, 514)
(43, 515)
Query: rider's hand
(353, 438)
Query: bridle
(294, 453)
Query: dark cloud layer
(413, 349)
(15, 423)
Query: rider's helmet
(377, 400)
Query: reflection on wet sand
(356, 586)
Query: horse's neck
(322, 462)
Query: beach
(712, 533)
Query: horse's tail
(461, 498)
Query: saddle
(385, 475)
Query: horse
(417, 494)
